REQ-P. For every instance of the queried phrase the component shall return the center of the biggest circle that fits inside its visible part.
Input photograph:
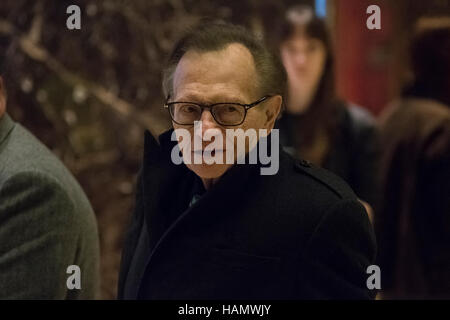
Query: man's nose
(207, 119)
(210, 129)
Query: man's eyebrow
(195, 98)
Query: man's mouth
(213, 152)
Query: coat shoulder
(329, 183)
(22, 151)
(23, 155)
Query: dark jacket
(354, 152)
(413, 224)
(299, 234)
(46, 222)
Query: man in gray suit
(48, 233)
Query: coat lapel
(6, 125)
(158, 175)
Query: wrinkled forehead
(228, 72)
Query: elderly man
(225, 229)
(48, 233)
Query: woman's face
(304, 59)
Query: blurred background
(89, 94)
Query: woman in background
(316, 125)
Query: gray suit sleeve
(38, 238)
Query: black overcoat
(298, 234)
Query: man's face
(227, 75)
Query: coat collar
(159, 172)
(164, 180)
(6, 125)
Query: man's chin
(209, 171)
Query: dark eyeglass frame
(210, 107)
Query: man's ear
(272, 111)
(2, 97)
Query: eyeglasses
(224, 113)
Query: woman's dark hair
(430, 64)
(321, 112)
